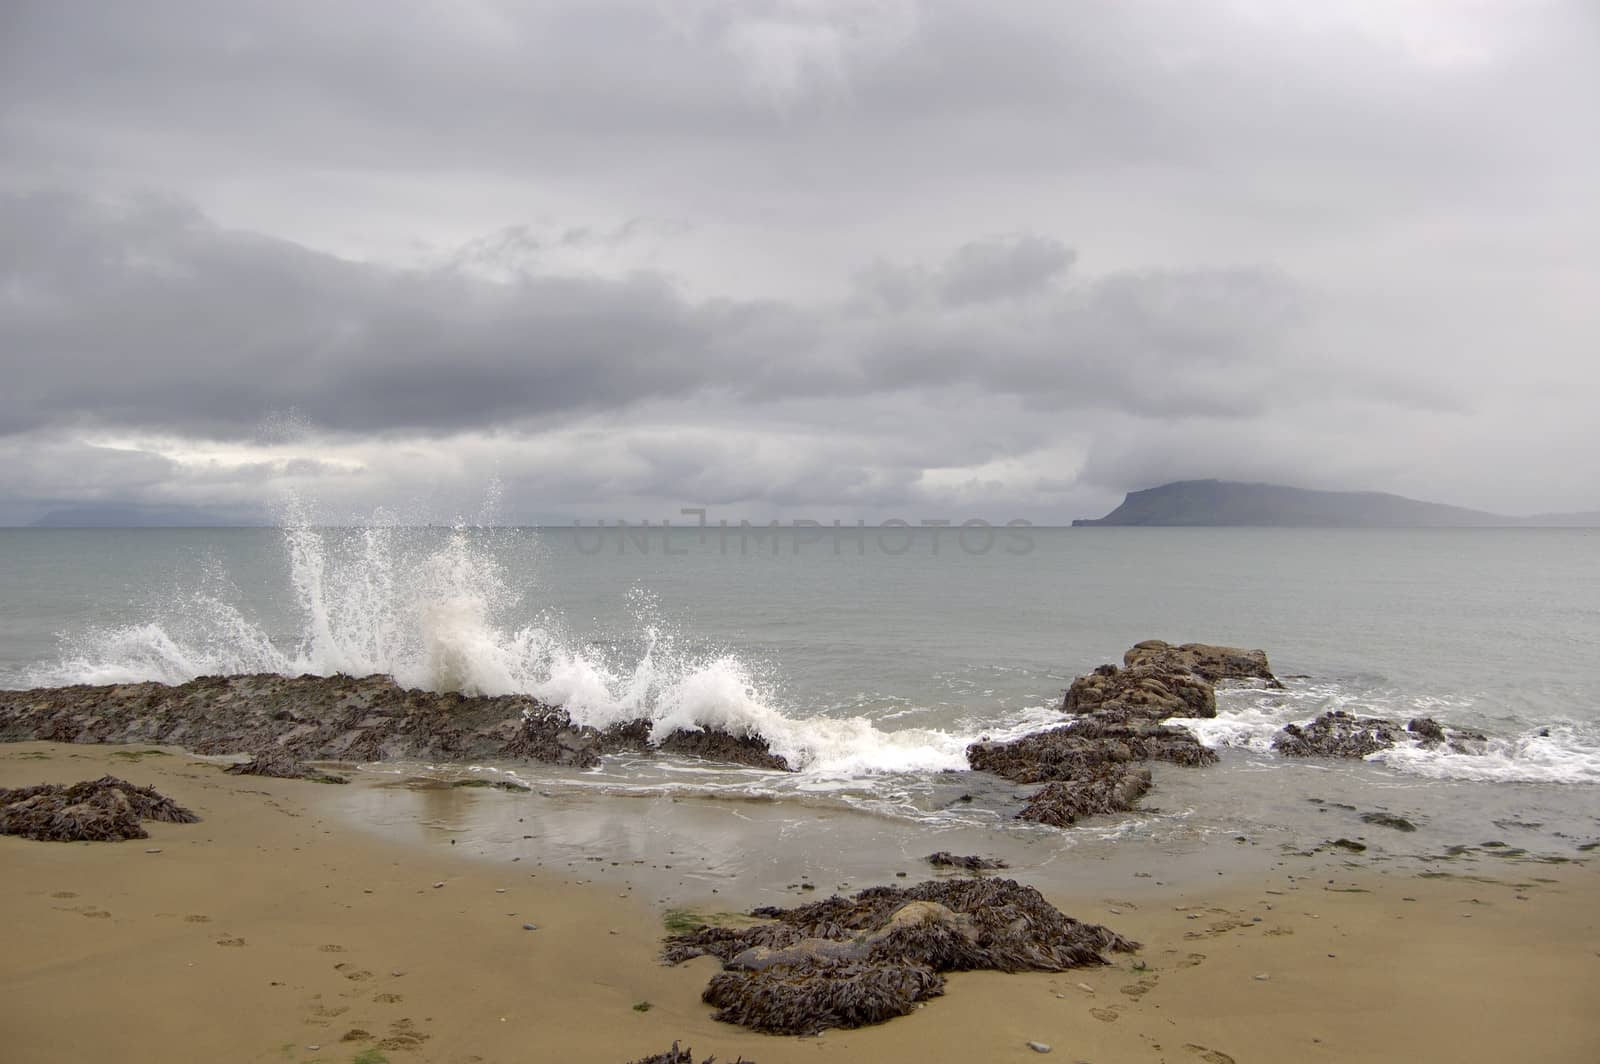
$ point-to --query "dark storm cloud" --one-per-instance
(144, 315)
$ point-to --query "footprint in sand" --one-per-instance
(387, 999)
(1142, 987)
(358, 976)
(96, 914)
(230, 941)
(1192, 960)
(63, 894)
(196, 918)
(1104, 1015)
(1210, 1056)
(330, 948)
(403, 1035)
(323, 1012)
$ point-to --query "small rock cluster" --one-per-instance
(970, 863)
(849, 962)
(104, 810)
(1340, 734)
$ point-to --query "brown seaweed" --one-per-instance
(104, 810)
(847, 962)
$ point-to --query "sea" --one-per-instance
(870, 656)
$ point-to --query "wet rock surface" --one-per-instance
(1340, 734)
(1073, 750)
(1206, 660)
(1144, 691)
(104, 810)
(971, 863)
(849, 962)
(1109, 789)
(339, 718)
(1337, 734)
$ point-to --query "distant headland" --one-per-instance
(1223, 503)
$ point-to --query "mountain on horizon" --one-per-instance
(1219, 503)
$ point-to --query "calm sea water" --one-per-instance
(872, 661)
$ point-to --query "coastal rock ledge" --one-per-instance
(283, 720)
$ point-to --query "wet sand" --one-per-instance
(275, 926)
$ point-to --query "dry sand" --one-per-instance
(271, 928)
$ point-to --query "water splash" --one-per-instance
(437, 610)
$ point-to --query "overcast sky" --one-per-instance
(795, 258)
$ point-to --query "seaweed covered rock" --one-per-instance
(1205, 660)
(715, 745)
(338, 718)
(971, 863)
(1109, 789)
(104, 810)
(676, 1055)
(1074, 751)
(1337, 734)
(279, 765)
(1144, 691)
(848, 962)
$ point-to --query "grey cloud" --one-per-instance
(148, 316)
(1349, 245)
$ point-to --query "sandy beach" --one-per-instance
(272, 931)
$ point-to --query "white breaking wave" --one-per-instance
(1562, 752)
(438, 614)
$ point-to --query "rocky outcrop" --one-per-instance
(1207, 661)
(849, 962)
(1109, 789)
(1117, 722)
(338, 718)
(713, 745)
(104, 810)
(1143, 692)
(1428, 731)
(1337, 734)
(1074, 750)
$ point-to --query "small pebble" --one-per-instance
(436, 886)
(499, 890)
(1086, 988)
(1262, 977)
(1114, 912)
(1039, 1047)
(152, 851)
(530, 927)
(313, 1048)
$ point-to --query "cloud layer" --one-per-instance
(794, 257)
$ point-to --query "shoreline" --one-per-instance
(1485, 964)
